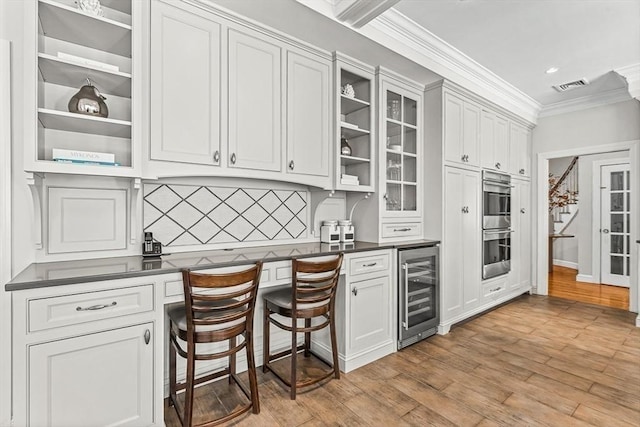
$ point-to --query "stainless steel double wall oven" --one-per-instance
(496, 224)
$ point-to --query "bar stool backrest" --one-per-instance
(314, 286)
(220, 306)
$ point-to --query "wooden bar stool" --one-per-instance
(217, 308)
(312, 295)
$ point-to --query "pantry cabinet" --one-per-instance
(461, 130)
(520, 275)
(185, 81)
(519, 151)
(461, 244)
(494, 142)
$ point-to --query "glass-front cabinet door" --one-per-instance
(401, 154)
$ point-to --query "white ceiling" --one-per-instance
(519, 39)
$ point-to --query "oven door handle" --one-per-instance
(492, 235)
(405, 322)
(498, 183)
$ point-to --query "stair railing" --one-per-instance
(563, 191)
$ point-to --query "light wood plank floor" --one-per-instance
(563, 284)
(534, 361)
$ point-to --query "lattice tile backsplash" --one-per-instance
(179, 215)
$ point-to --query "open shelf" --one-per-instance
(67, 73)
(350, 105)
(73, 122)
(350, 132)
(79, 169)
(66, 23)
(351, 160)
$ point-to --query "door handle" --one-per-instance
(605, 231)
(147, 336)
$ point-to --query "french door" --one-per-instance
(615, 216)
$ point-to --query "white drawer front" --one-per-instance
(494, 289)
(48, 313)
(403, 229)
(369, 264)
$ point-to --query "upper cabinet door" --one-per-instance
(471, 134)
(255, 102)
(520, 158)
(185, 86)
(494, 142)
(453, 142)
(308, 106)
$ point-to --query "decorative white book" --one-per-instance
(90, 156)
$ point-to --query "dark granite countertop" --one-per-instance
(39, 275)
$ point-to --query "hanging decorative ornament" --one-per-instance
(92, 7)
(89, 101)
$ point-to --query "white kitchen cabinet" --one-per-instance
(308, 115)
(255, 101)
(461, 260)
(519, 151)
(185, 85)
(461, 130)
(520, 275)
(85, 355)
(365, 311)
(103, 378)
(494, 141)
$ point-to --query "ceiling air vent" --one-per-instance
(571, 85)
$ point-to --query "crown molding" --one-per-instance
(631, 73)
(399, 33)
(584, 102)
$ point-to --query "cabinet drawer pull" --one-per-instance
(354, 291)
(96, 307)
(402, 229)
(216, 156)
(233, 158)
(147, 336)
(370, 265)
(495, 289)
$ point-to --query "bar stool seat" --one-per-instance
(311, 296)
(218, 308)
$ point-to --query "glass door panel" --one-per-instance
(615, 227)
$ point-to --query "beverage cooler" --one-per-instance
(418, 294)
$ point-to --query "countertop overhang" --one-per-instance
(40, 275)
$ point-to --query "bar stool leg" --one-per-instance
(294, 356)
(188, 396)
(172, 372)
(307, 338)
(253, 381)
(334, 345)
(265, 337)
(232, 360)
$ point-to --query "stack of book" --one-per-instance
(84, 157)
(349, 179)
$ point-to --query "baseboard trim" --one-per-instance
(586, 278)
(563, 263)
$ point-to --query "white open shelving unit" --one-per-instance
(71, 46)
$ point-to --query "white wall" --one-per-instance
(595, 130)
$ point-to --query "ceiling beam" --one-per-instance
(357, 13)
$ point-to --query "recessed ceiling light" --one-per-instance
(552, 70)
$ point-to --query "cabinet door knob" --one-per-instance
(605, 231)
(465, 209)
(498, 165)
(291, 165)
(385, 196)
(354, 291)
(521, 171)
(233, 158)
(216, 156)
(147, 336)
(522, 210)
